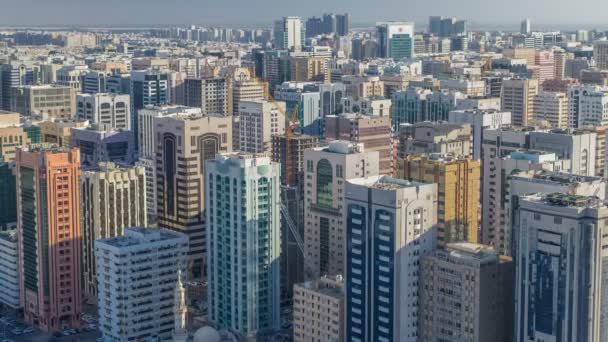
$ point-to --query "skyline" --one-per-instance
(241, 13)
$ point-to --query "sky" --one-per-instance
(248, 13)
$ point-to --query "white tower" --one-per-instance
(180, 334)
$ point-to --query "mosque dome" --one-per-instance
(207, 334)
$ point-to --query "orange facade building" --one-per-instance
(49, 236)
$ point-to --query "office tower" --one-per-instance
(327, 170)
(11, 138)
(137, 275)
(119, 84)
(416, 105)
(148, 87)
(69, 76)
(466, 294)
(318, 310)
(480, 121)
(59, 132)
(518, 98)
(94, 81)
(248, 89)
(44, 101)
(552, 108)
(243, 199)
(292, 170)
(289, 34)
(8, 200)
(329, 23)
(588, 106)
(374, 132)
(395, 39)
(147, 146)
(113, 198)
(276, 67)
(178, 167)
(342, 24)
(458, 192)
(305, 69)
(49, 237)
(307, 99)
(559, 268)
(314, 27)
(525, 27)
(331, 98)
(98, 144)
(459, 43)
(112, 110)
(459, 28)
(544, 61)
(390, 226)
(213, 95)
(435, 137)
(577, 145)
(13, 75)
(260, 120)
(434, 25)
(600, 54)
(9, 269)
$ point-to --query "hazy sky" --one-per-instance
(590, 13)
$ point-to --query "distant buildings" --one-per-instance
(44, 101)
(435, 137)
(289, 34)
(600, 54)
(243, 243)
(390, 227)
(137, 275)
(395, 39)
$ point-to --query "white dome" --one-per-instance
(207, 334)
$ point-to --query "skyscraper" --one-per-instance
(395, 39)
(466, 294)
(49, 237)
(560, 268)
(243, 246)
(518, 98)
(183, 144)
(390, 226)
(113, 198)
(326, 173)
(289, 34)
(525, 26)
(137, 276)
(259, 121)
(600, 54)
(148, 87)
(213, 94)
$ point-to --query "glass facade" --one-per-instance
(324, 184)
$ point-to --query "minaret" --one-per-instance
(180, 334)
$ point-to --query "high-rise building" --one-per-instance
(94, 81)
(374, 132)
(178, 167)
(213, 95)
(466, 294)
(342, 24)
(11, 138)
(8, 200)
(137, 275)
(243, 201)
(390, 227)
(600, 54)
(13, 75)
(416, 105)
(518, 98)
(525, 27)
(457, 193)
(395, 39)
(44, 101)
(112, 110)
(560, 261)
(306, 68)
(59, 132)
(48, 223)
(148, 87)
(289, 34)
(9, 269)
(247, 89)
(552, 108)
(307, 99)
(259, 121)
(327, 170)
(98, 144)
(292, 170)
(435, 137)
(480, 121)
(434, 25)
(544, 61)
(575, 144)
(113, 198)
(318, 310)
(588, 106)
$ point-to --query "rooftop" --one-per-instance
(385, 183)
(567, 200)
(142, 235)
